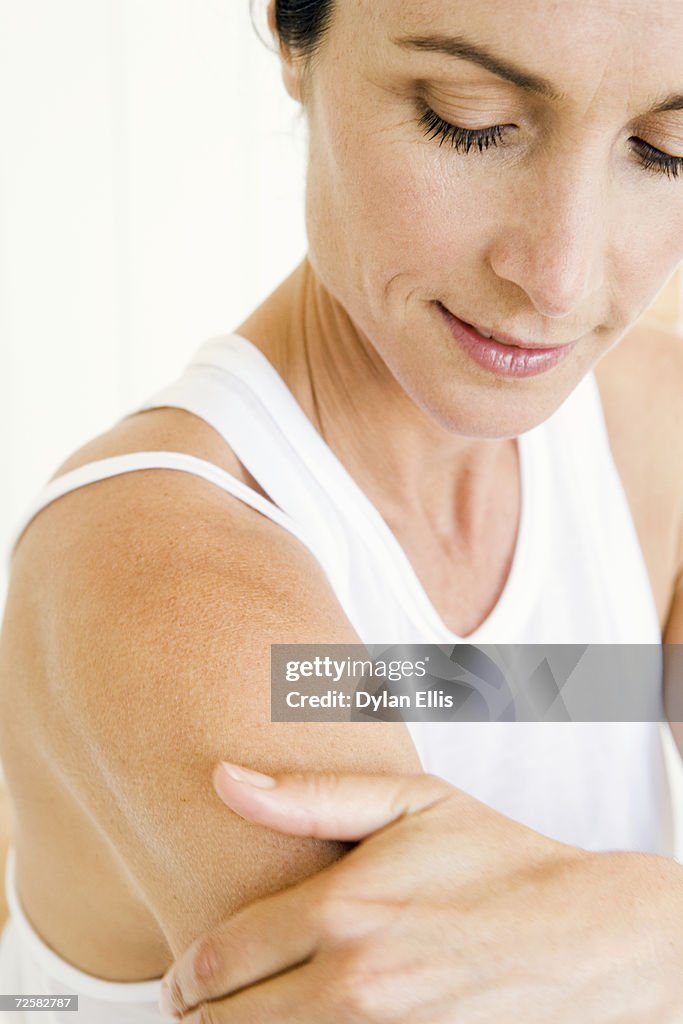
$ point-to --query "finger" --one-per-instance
(255, 943)
(327, 805)
(292, 998)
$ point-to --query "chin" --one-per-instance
(472, 403)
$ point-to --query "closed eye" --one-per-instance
(466, 139)
(461, 139)
(653, 159)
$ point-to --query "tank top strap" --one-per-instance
(233, 386)
(116, 465)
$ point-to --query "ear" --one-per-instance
(292, 68)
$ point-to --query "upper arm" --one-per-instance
(673, 630)
(161, 649)
(641, 380)
(673, 659)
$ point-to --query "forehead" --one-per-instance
(627, 49)
(566, 15)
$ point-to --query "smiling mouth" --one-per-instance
(500, 357)
(507, 339)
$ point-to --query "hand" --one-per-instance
(447, 912)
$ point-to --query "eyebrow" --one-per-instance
(464, 49)
(673, 102)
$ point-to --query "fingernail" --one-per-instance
(166, 1004)
(248, 776)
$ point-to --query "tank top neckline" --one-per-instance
(278, 403)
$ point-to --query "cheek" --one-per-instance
(662, 250)
(400, 208)
(646, 249)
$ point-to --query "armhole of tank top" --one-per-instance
(117, 465)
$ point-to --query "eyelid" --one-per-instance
(460, 138)
(663, 126)
(660, 140)
(655, 159)
(657, 137)
(464, 139)
(488, 120)
(657, 148)
(461, 113)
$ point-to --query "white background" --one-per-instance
(152, 174)
(152, 171)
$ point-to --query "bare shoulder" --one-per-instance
(643, 374)
(159, 429)
(641, 386)
(170, 553)
(164, 497)
(164, 597)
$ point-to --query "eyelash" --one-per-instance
(465, 139)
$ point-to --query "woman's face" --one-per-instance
(562, 224)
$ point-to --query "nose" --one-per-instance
(553, 246)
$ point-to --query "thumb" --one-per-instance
(326, 805)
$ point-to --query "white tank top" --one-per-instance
(578, 576)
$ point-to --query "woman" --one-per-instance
(445, 425)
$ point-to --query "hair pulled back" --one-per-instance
(301, 24)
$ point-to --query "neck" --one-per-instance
(415, 471)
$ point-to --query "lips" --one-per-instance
(507, 339)
(501, 358)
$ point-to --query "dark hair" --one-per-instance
(301, 24)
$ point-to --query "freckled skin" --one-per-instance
(558, 233)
